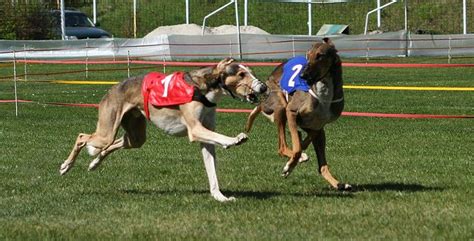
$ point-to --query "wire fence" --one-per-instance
(117, 16)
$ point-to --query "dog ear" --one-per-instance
(224, 63)
(328, 41)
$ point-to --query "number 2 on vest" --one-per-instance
(297, 69)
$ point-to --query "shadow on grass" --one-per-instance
(249, 194)
(394, 186)
(259, 195)
(263, 195)
(318, 193)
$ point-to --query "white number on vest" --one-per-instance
(297, 69)
(166, 83)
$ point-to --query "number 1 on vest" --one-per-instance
(166, 83)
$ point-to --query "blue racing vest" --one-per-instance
(291, 80)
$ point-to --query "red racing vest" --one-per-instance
(165, 90)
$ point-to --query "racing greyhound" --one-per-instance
(313, 98)
(129, 104)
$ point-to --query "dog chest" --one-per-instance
(314, 114)
(169, 120)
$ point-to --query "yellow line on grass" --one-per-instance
(80, 82)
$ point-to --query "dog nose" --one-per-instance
(259, 86)
(263, 88)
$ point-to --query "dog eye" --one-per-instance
(242, 74)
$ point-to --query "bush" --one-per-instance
(26, 21)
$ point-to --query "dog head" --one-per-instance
(239, 80)
(322, 60)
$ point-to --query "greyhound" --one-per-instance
(128, 104)
(319, 101)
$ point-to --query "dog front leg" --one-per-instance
(209, 157)
(203, 135)
(295, 141)
(319, 144)
(251, 118)
(280, 121)
(197, 132)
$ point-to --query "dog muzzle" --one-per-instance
(258, 86)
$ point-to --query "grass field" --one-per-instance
(413, 178)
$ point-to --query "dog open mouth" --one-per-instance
(252, 98)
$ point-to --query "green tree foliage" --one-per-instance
(26, 21)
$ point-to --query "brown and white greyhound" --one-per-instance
(124, 106)
(310, 111)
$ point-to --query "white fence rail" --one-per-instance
(251, 47)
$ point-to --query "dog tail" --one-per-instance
(252, 117)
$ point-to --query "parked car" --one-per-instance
(78, 25)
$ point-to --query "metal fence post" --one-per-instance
(367, 50)
(87, 60)
(63, 21)
(134, 18)
(164, 64)
(14, 81)
(310, 20)
(128, 63)
(449, 50)
(24, 58)
(187, 11)
(293, 45)
(406, 15)
(239, 42)
(379, 15)
(246, 9)
(94, 10)
(464, 16)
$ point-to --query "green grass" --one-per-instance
(413, 177)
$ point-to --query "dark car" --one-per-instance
(79, 26)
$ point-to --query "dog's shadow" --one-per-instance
(258, 195)
(323, 192)
(394, 186)
(244, 194)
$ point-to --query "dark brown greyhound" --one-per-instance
(310, 111)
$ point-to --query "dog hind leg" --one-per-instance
(110, 114)
(319, 144)
(134, 137)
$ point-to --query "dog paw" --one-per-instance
(303, 158)
(94, 164)
(241, 138)
(65, 167)
(344, 187)
(286, 171)
(221, 198)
